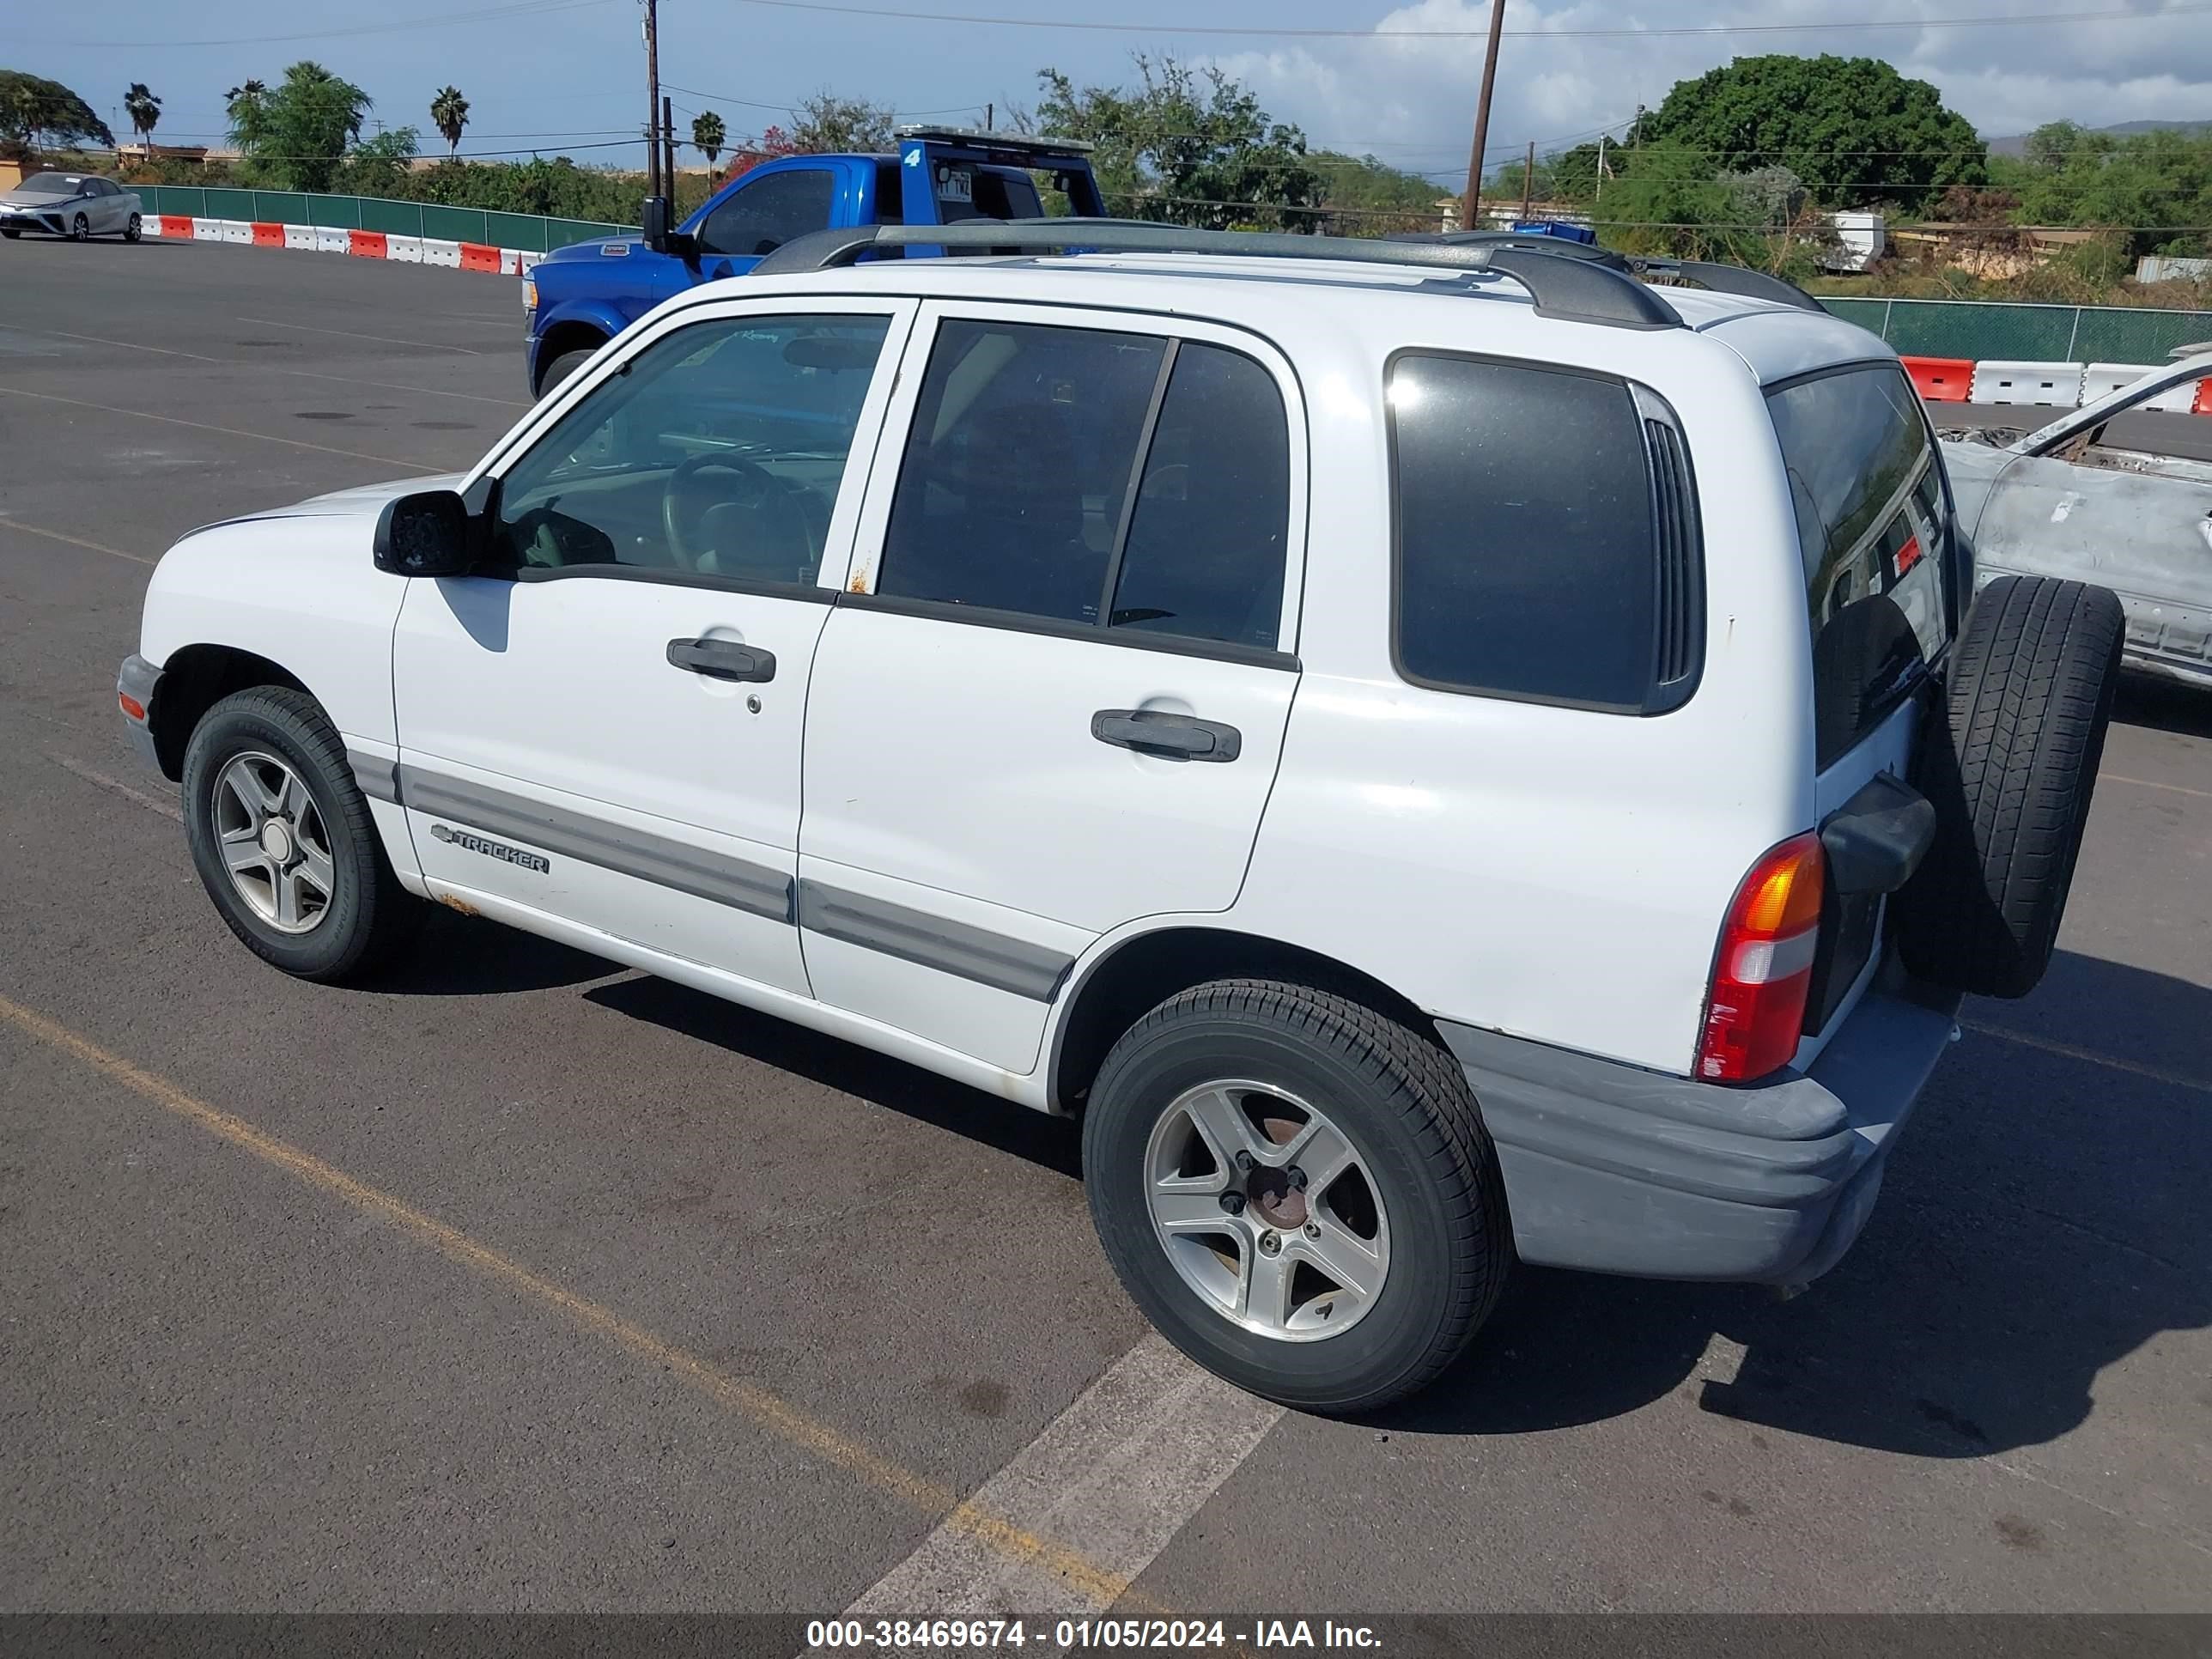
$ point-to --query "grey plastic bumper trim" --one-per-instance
(1615, 1169)
(742, 885)
(378, 778)
(138, 680)
(953, 947)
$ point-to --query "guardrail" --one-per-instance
(531, 233)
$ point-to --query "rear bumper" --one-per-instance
(1614, 1169)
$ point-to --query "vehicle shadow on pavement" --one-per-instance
(2042, 1219)
(1049, 1142)
(458, 956)
(2162, 706)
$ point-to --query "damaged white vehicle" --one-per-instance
(2064, 501)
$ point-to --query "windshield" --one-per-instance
(52, 184)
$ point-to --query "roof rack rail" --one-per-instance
(1730, 279)
(1534, 241)
(1568, 289)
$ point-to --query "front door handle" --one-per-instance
(722, 659)
(1171, 737)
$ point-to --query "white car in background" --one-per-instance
(77, 205)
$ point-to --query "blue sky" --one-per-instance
(562, 75)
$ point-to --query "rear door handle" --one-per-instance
(722, 659)
(1171, 737)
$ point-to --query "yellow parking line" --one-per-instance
(2172, 1080)
(74, 541)
(2147, 783)
(203, 426)
(758, 1405)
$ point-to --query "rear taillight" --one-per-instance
(1756, 1007)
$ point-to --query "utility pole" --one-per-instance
(1528, 181)
(989, 110)
(1469, 218)
(668, 150)
(653, 186)
(1600, 166)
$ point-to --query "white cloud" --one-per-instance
(1411, 99)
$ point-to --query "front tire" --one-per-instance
(79, 229)
(561, 368)
(282, 840)
(134, 230)
(1338, 1288)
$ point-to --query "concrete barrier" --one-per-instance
(1941, 379)
(2048, 386)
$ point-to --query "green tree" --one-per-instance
(2154, 189)
(1366, 195)
(1189, 147)
(144, 110)
(449, 114)
(1853, 128)
(708, 136)
(295, 136)
(33, 109)
(378, 165)
(826, 124)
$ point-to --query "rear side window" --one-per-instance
(1090, 477)
(1540, 554)
(1872, 529)
(768, 211)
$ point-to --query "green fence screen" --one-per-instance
(1979, 330)
(1972, 329)
(530, 231)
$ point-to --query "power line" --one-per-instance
(975, 19)
(399, 26)
(789, 109)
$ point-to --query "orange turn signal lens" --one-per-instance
(132, 706)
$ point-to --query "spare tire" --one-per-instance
(2011, 772)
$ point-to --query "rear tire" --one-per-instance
(1433, 1210)
(2012, 772)
(561, 368)
(349, 911)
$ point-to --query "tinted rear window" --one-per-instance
(1530, 542)
(1871, 528)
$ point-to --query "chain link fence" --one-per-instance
(1920, 328)
(1981, 331)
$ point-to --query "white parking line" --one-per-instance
(1114, 1477)
(346, 333)
(115, 786)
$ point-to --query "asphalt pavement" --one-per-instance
(518, 1281)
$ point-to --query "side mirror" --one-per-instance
(429, 533)
(656, 223)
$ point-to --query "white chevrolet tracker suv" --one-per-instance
(1442, 755)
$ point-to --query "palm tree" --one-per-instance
(144, 110)
(449, 114)
(708, 136)
(239, 100)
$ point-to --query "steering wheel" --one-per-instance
(675, 511)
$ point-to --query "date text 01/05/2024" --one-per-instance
(836, 1635)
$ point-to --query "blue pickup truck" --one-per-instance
(579, 298)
